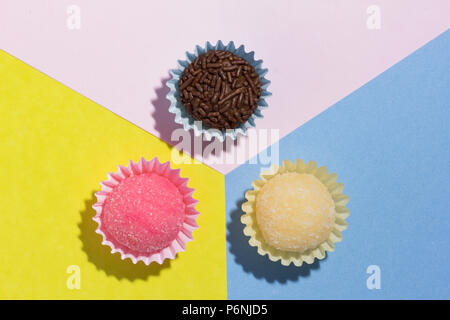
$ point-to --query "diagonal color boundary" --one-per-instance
(388, 143)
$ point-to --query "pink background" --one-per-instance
(317, 52)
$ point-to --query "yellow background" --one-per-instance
(56, 146)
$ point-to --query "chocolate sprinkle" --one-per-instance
(220, 89)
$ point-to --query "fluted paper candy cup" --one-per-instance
(287, 257)
(115, 184)
(184, 118)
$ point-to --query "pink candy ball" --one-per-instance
(144, 212)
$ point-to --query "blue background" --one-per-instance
(389, 144)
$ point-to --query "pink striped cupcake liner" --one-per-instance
(189, 222)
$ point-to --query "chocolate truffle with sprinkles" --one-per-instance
(220, 89)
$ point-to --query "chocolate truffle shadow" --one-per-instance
(165, 121)
(165, 124)
(101, 256)
(260, 266)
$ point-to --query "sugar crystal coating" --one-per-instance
(144, 212)
(295, 212)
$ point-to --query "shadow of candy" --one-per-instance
(164, 120)
(260, 266)
(101, 256)
(165, 125)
